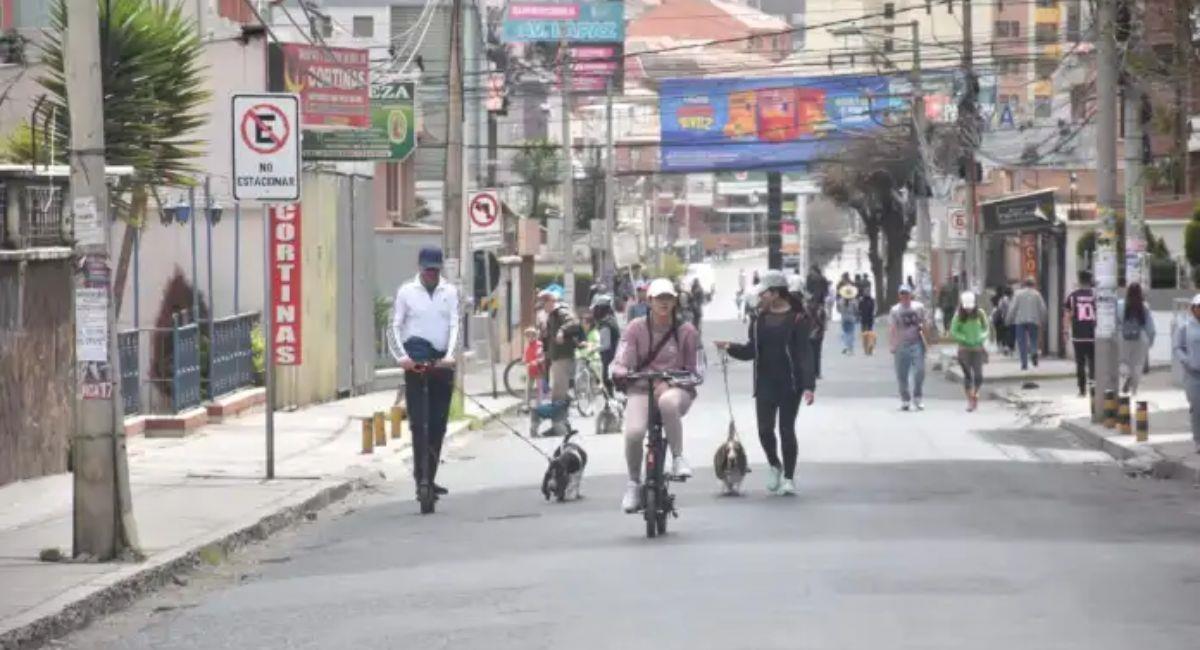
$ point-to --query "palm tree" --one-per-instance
(154, 100)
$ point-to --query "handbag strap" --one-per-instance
(662, 343)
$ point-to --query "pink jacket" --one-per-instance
(682, 352)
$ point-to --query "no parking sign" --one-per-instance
(266, 147)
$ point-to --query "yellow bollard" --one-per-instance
(380, 431)
(368, 436)
(397, 420)
(1123, 416)
(1110, 409)
(1143, 421)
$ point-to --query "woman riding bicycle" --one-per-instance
(659, 342)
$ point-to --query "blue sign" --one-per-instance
(769, 124)
(546, 22)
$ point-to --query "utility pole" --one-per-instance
(1135, 194)
(568, 181)
(610, 190)
(1105, 264)
(103, 525)
(969, 128)
(774, 217)
(924, 227)
(453, 214)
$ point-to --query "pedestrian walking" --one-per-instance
(1026, 313)
(1137, 336)
(423, 338)
(908, 338)
(815, 284)
(609, 332)
(639, 308)
(847, 306)
(866, 319)
(948, 298)
(969, 329)
(1185, 347)
(1080, 315)
(778, 344)
(818, 317)
(560, 337)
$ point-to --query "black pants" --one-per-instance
(1085, 363)
(816, 350)
(427, 443)
(787, 406)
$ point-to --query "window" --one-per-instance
(1008, 29)
(1046, 33)
(1074, 19)
(889, 11)
(393, 189)
(1043, 106)
(889, 45)
(1010, 67)
(1002, 29)
(1045, 67)
(1049, 4)
(1079, 102)
(364, 26)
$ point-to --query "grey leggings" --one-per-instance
(673, 404)
(971, 361)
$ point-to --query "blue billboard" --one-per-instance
(769, 123)
(577, 22)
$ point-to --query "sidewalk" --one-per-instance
(203, 492)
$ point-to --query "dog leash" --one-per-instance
(510, 427)
(728, 400)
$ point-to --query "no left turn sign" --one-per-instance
(485, 209)
(266, 147)
(484, 212)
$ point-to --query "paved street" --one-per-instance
(940, 529)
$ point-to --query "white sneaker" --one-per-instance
(918, 405)
(787, 489)
(680, 468)
(632, 500)
(774, 476)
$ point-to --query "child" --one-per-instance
(533, 365)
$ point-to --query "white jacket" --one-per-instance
(432, 317)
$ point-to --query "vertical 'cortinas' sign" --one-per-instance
(285, 284)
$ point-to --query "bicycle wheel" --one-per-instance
(516, 380)
(585, 390)
(427, 497)
(650, 509)
(660, 516)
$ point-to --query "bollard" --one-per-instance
(368, 436)
(380, 431)
(1123, 416)
(397, 420)
(1143, 421)
(1110, 409)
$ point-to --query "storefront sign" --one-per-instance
(1029, 257)
(332, 82)
(391, 136)
(1034, 211)
(576, 22)
(285, 285)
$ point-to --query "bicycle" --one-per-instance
(657, 501)
(587, 386)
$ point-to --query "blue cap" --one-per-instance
(430, 257)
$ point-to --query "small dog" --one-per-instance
(730, 463)
(565, 473)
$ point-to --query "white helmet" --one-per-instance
(661, 287)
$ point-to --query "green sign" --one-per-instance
(392, 135)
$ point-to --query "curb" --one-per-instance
(1135, 459)
(155, 573)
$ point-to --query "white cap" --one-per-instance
(1196, 300)
(774, 279)
(967, 299)
(661, 287)
(905, 288)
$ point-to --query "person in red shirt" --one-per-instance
(533, 364)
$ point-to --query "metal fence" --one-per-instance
(185, 371)
(231, 361)
(127, 349)
(41, 217)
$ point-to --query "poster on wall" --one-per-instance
(768, 123)
(391, 135)
(285, 284)
(332, 82)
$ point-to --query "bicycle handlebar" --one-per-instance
(674, 376)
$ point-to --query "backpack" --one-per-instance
(1131, 329)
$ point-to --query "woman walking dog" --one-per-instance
(780, 348)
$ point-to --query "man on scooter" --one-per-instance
(424, 338)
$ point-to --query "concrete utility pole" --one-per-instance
(103, 507)
(568, 181)
(976, 271)
(452, 222)
(610, 190)
(1105, 264)
(924, 227)
(774, 219)
(1135, 195)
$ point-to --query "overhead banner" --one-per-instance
(285, 284)
(770, 123)
(332, 82)
(391, 136)
(577, 22)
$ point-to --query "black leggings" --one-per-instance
(787, 406)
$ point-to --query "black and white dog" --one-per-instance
(565, 473)
(730, 462)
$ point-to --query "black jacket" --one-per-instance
(561, 319)
(798, 350)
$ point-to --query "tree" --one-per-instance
(589, 197)
(537, 164)
(154, 100)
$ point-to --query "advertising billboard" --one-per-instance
(391, 136)
(768, 123)
(594, 65)
(577, 22)
(332, 83)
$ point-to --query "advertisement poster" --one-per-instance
(332, 83)
(285, 284)
(577, 22)
(391, 136)
(780, 123)
(593, 67)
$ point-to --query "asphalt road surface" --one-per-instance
(939, 529)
